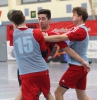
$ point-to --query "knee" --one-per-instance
(57, 93)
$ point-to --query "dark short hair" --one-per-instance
(47, 12)
(17, 17)
(81, 11)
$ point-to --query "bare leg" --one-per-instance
(81, 95)
(49, 97)
(59, 92)
(19, 96)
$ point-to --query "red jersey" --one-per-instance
(76, 34)
(50, 45)
(37, 35)
(11, 37)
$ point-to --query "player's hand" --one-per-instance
(86, 66)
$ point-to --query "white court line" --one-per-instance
(91, 84)
(42, 94)
(58, 82)
(86, 90)
(72, 91)
(8, 99)
(51, 82)
(7, 79)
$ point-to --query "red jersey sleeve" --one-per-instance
(78, 35)
(61, 44)
(11, 37)
(40, 39)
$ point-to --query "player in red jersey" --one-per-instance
(44, 17)
(76, 75)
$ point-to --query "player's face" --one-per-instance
(43, 21)
(76, 18)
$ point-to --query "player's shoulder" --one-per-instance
(11, 32)
(82, 29)
(37, 32)
(78, 28)
(52, 32)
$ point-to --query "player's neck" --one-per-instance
(45, 28)
(80, 23)
(22, 25)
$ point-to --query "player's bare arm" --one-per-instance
(74, 55)
(56, 38)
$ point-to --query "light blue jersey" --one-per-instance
(27, 52)
(80, 47)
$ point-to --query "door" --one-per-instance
(3, 43)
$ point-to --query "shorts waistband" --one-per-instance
(46, 72)
(75, 65)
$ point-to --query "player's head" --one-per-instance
(17, 17)
(79, 13)
(44, 17)
(47, 12)
(10, 13)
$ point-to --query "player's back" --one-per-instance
(27, 52)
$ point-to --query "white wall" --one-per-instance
(57, 7)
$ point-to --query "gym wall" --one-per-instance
(61, 11)
(59, 8)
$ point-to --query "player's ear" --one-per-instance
(81, 17)
(50, 19)
(13, 23)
